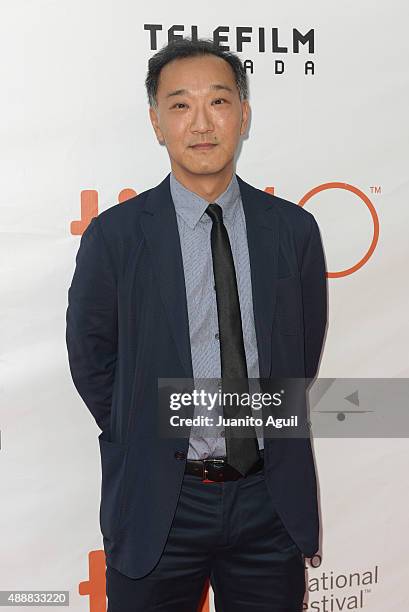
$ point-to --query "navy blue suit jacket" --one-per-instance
(127, 326)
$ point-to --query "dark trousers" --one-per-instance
(227, 532)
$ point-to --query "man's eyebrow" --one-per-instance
(214, 86)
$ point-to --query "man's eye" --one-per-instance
(182, 104)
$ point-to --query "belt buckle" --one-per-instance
(205, 479)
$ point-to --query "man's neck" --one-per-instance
(207, 186)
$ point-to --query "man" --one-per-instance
(202, 276)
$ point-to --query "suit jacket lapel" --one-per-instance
(160, 228)
(263, 238)
(161, 231)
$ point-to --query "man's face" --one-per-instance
(198, 102)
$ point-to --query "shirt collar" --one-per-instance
(191, 207)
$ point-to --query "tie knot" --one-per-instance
(215, 212)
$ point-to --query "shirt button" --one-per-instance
(205, 455)
(222, 433)
(217, 336)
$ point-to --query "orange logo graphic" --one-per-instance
(371, 209)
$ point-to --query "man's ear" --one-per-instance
(245, 108)
(155, 123)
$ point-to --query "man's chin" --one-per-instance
(203, 169)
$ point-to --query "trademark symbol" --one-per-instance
(376, 189)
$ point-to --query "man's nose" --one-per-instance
(201, 120)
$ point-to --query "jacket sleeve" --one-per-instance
(91, 324)
(314, 296)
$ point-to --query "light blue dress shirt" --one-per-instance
(194, 226)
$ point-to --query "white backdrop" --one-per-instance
(75, 128)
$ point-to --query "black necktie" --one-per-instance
(241, 442)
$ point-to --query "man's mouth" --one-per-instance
(205, 146)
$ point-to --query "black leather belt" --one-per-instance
(216, 469)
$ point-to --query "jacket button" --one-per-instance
(180, 455)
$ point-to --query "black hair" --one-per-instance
(186, 47)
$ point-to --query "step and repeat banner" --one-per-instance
(329, 87)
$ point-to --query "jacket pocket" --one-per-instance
(113, 462)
